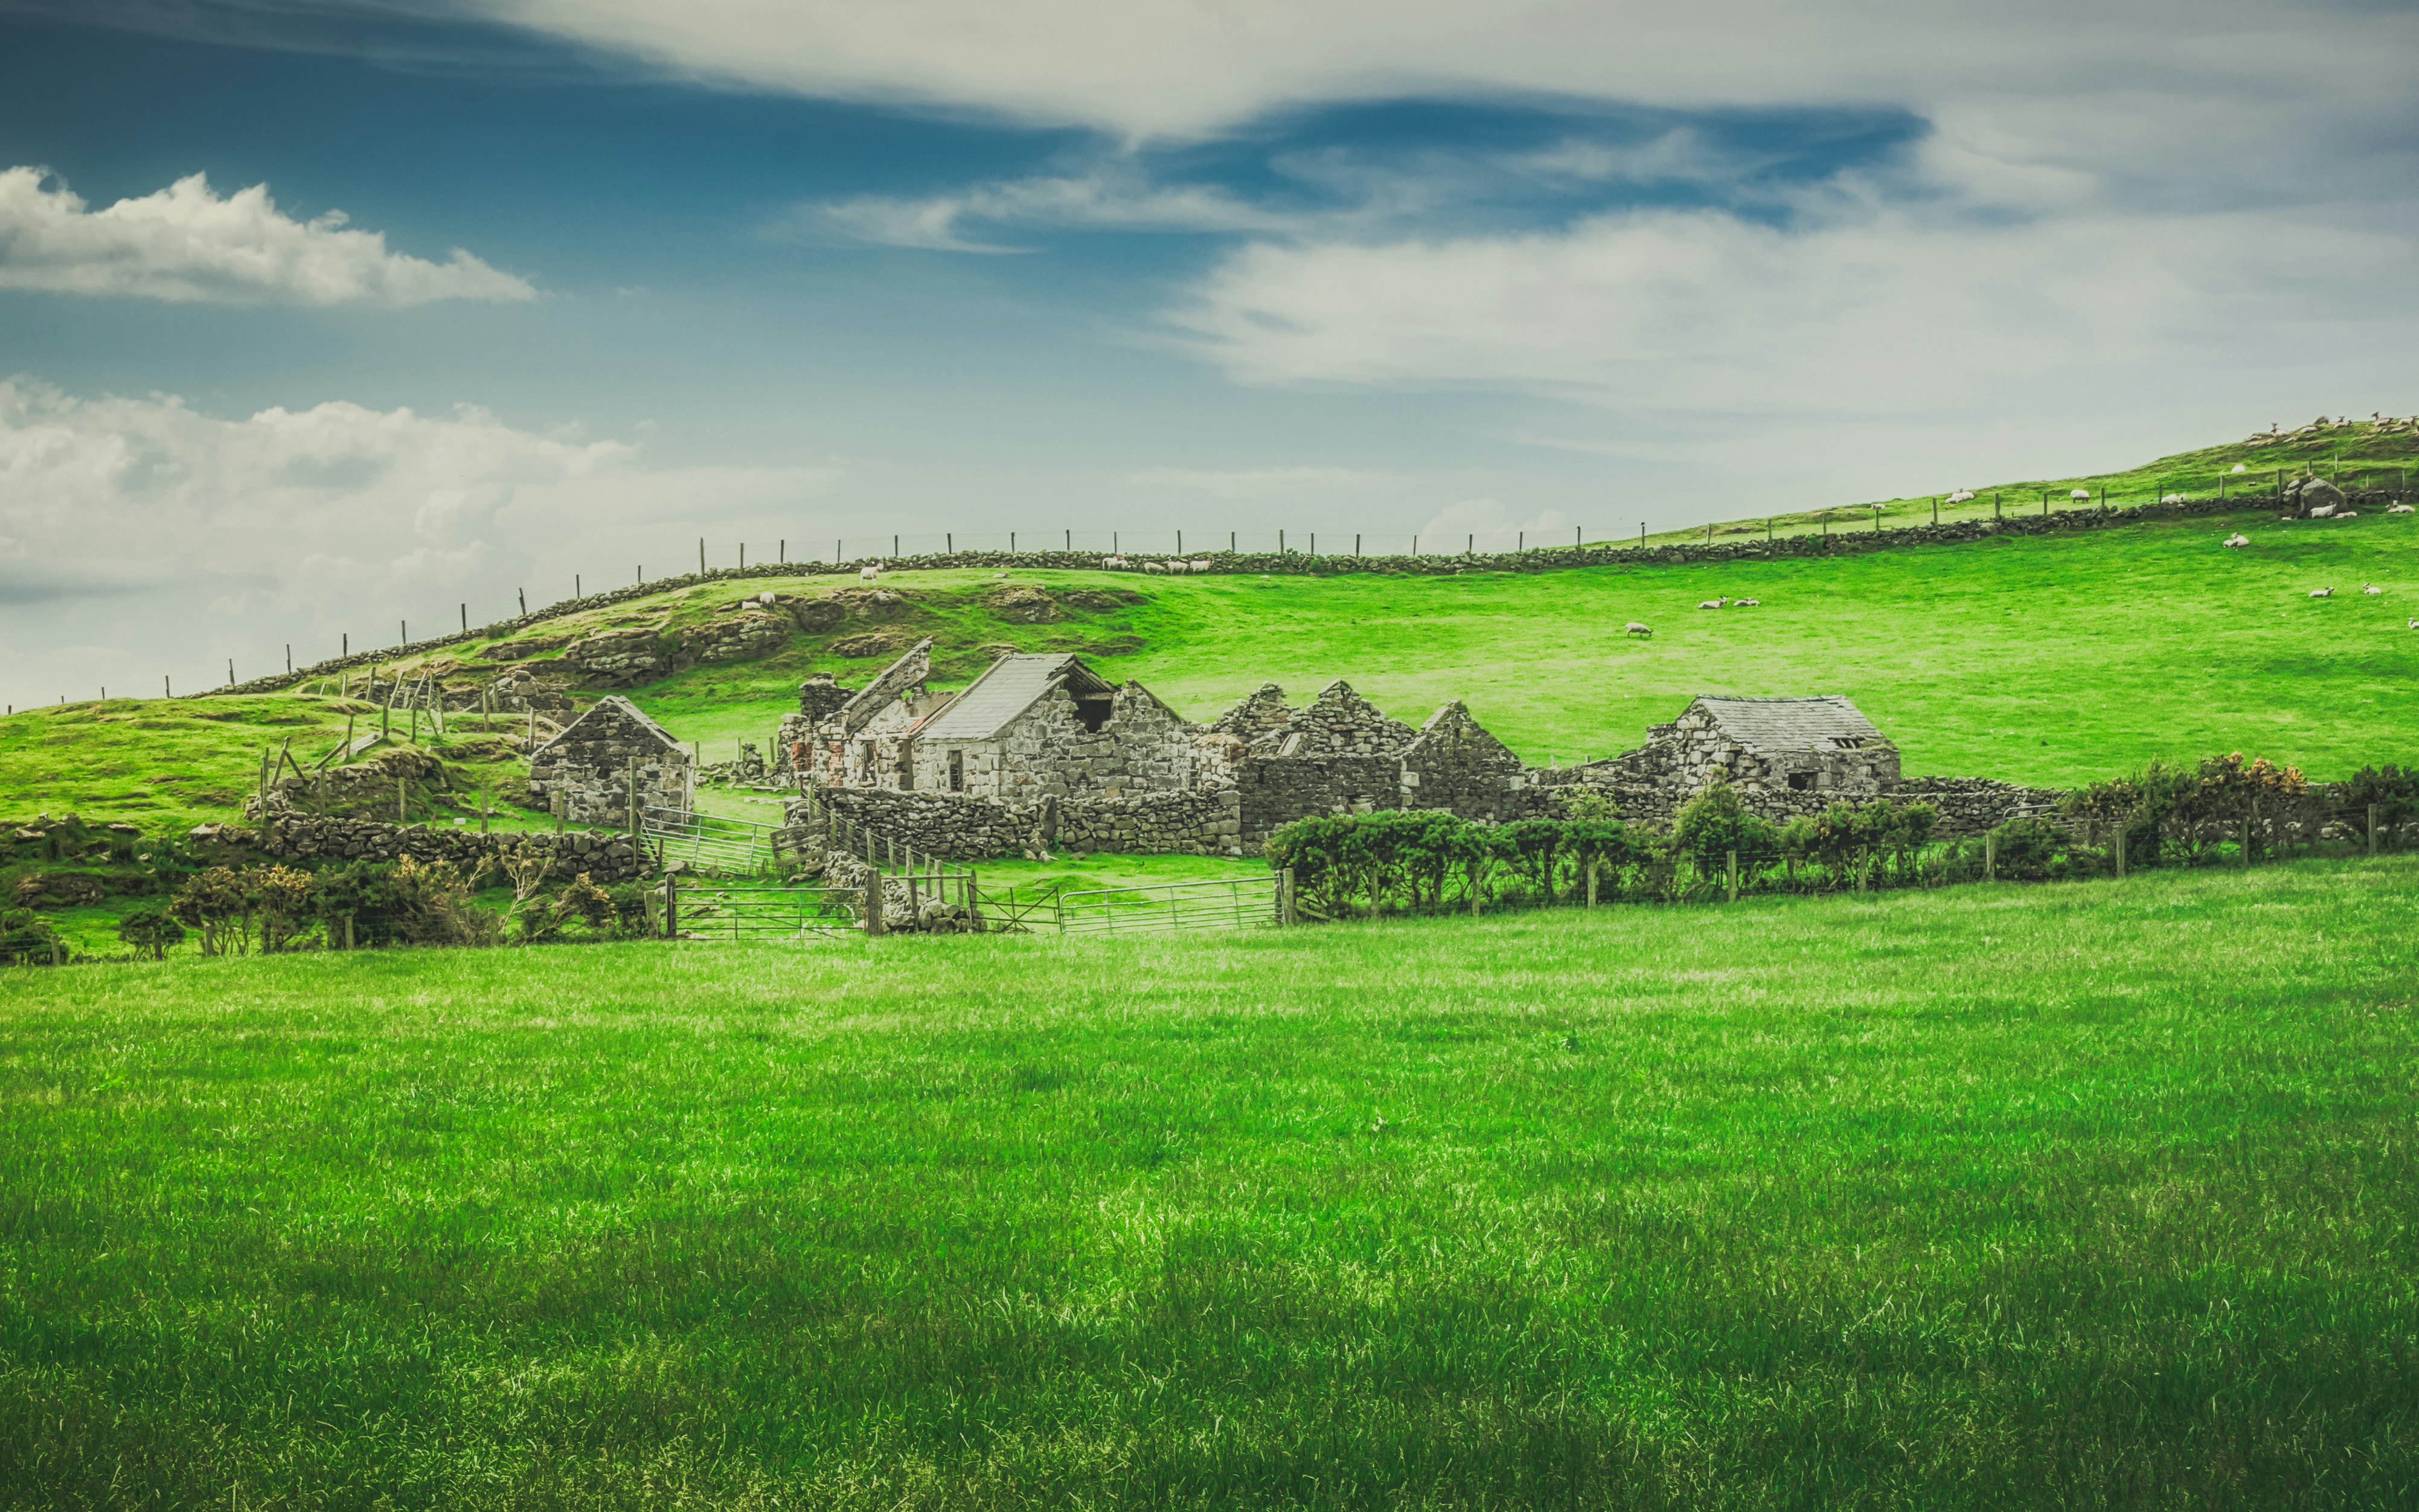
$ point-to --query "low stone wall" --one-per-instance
(960, 827)
(1966, 805)
(1974, 805)
(607, 857)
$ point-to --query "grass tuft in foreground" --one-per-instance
(2088, 1194)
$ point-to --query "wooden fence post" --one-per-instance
(1285, 897)
(1990, 856)
(1592, 865)
(671, 907)
(1734, 877)
(2372, 830)
(2120, 849)
(873, 901)
(634, 797)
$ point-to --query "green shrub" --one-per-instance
(27, 939)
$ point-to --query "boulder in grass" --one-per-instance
(2313, 498)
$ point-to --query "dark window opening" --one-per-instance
(865, 760)
(1801, 782)
(957, 771)
(1093, 712)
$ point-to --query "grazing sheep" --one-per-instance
(2080, 493)
(1114, 563)
(1154, 566)
(2323, 512)
(1636, 628)
(2323, 593)
(2238, 538)
(1713, 603)
(2398, 509)
(1747, 603)
(1200, 564)
(1963, 496)
(2370, 588)
(868, 574)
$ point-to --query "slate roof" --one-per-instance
(615, 707)
(1818, 723)
(1012, 684)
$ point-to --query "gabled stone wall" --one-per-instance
(591, 766)
(1456, 764)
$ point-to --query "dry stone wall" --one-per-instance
(962, 827)
(605, 857)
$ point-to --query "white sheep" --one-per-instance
(2415, 624)
(1747, 603)
(2080, 493)
(1114, 563)
(1637, 627)
(1963, 496)
(2370, 588)
(868, 574)
(1713, 603)
(1200, 564)
(1154, 566)
(2238, 538)
(2323, 593)
(2398, 509)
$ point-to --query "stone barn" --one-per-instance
(1818, 744)
(1044, 724)
(591, 766)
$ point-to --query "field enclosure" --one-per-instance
(2078, 1195)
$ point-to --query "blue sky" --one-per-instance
(800, 271)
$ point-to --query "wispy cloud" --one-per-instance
(187, 244)
(1110, 199)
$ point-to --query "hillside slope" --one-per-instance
(2045, 659)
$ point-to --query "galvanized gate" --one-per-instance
(709, 842)
(1223, 903)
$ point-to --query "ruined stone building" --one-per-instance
(592, 765)
(1816, 745)
(1343, 755)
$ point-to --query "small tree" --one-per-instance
(150, 928)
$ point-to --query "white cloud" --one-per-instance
(1689, 327)
(1178, 67)
(1261, 483)
(193, 538)
(186, 243)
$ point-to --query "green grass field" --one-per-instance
(2093, 1194)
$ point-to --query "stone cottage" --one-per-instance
(593, 763)
(1044, 724)
(1820, 744)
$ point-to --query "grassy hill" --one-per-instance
(2050, 659)
(2099, 1194)
(2361, 454)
